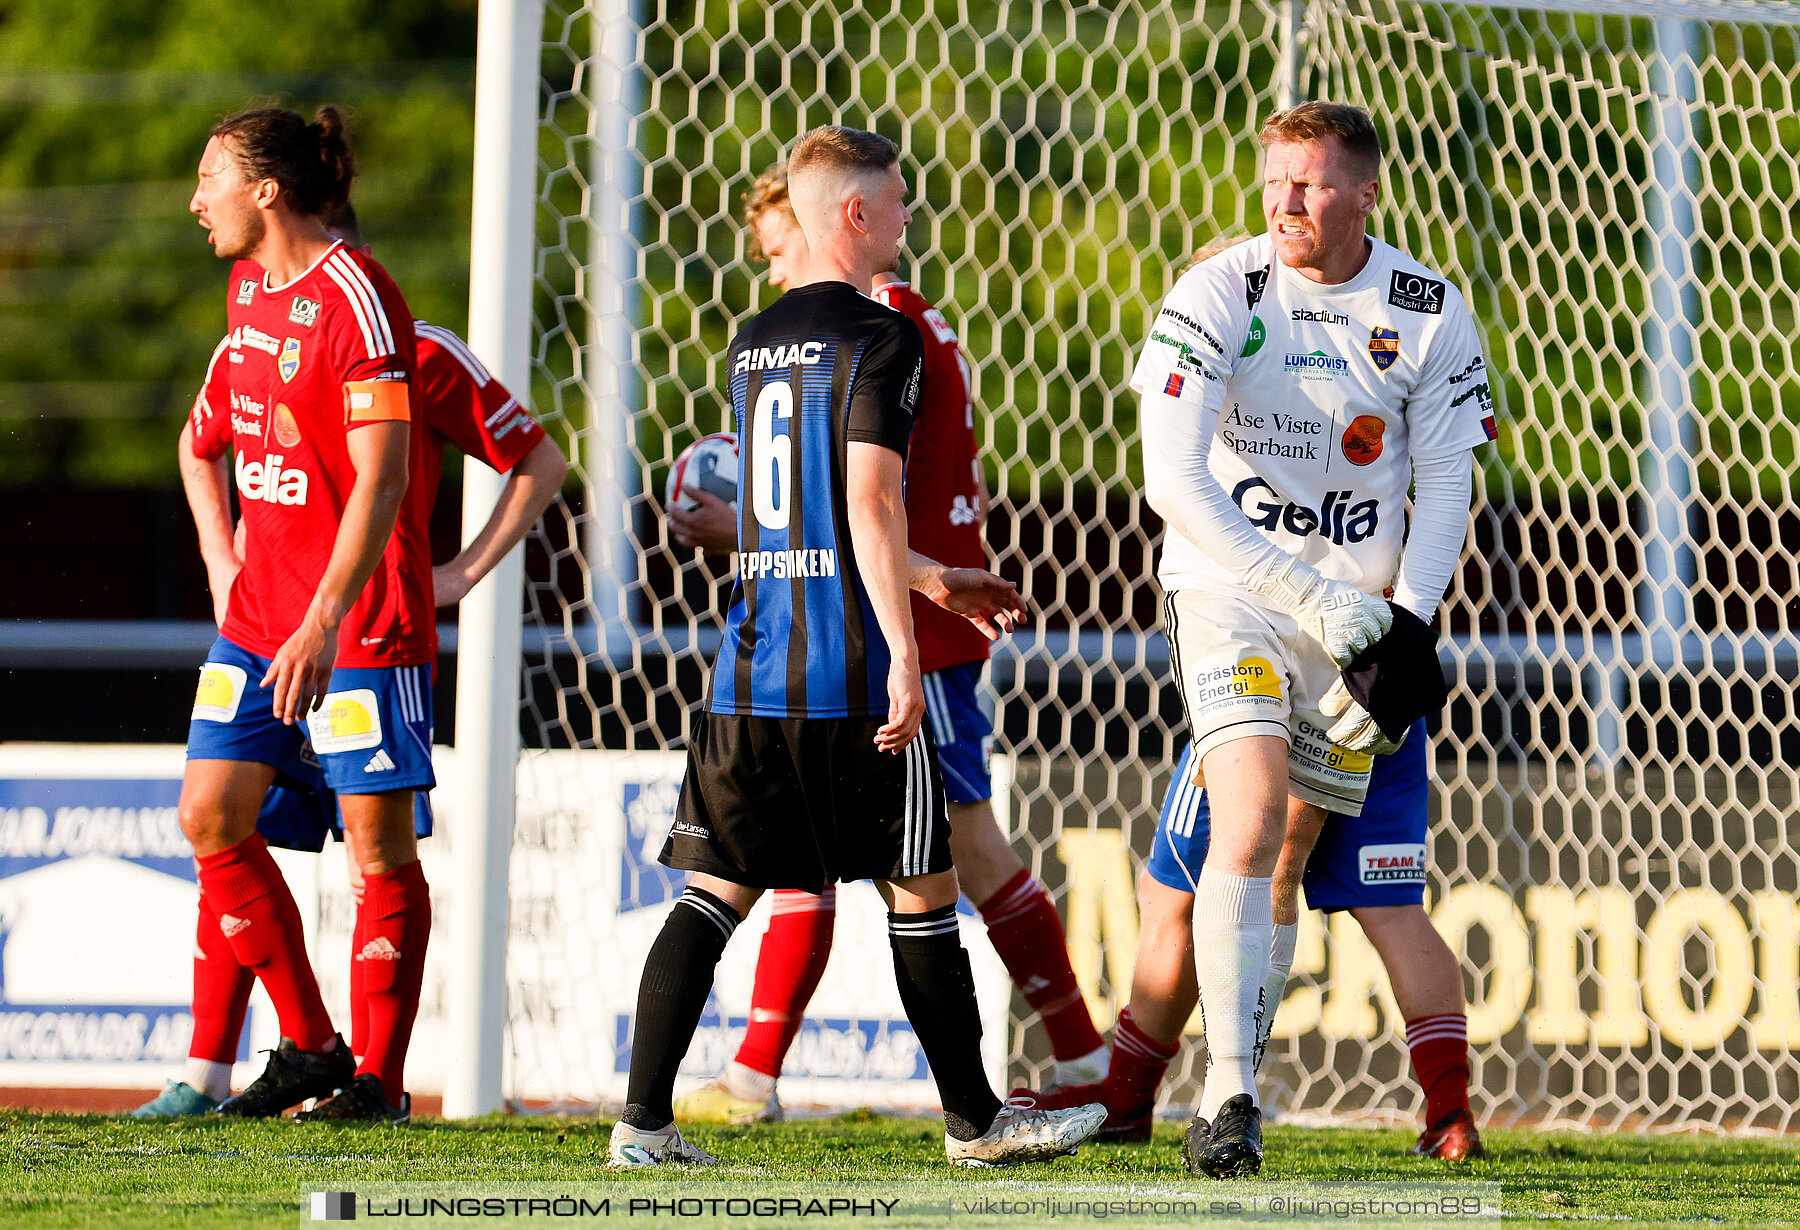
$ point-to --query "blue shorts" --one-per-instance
(372, 734)
(1375, 859)
(960, 709)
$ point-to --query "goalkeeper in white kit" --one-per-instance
(1292, 388)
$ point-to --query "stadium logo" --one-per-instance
(347, 722)
(304, 311)
(1318, 316)
(287, 431)
(1255, 282)
(1315, 366)
(290, 358)
(1336, 519)
(1362, 442)
(256, 339)
(1253, 340)
(1384, 347)
(268, 482)
(1415, 293)
(221, 688)
(246, 292)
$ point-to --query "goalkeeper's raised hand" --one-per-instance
(1335, 613)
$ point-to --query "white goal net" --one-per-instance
(1613, 849)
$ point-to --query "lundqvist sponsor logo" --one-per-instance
(1318, 363)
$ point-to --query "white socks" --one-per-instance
(1281, 963)
(208, 1077)
(1234, 932)
(747, 1083)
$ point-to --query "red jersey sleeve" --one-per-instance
(211, 415)
(467, 406)
(371, 346)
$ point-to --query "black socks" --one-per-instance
(678, 976)
(938, 990)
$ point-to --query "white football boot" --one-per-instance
(631, 1149)
(1022, 1133)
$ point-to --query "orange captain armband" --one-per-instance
(377, 401)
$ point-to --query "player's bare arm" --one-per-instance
(989, 601)
(530, 487)
(301, 670)
(207, 486)
(877, 513)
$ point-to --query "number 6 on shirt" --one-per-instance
(770, 492)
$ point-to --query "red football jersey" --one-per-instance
(302, 366)
(943, 484)
(463, 405)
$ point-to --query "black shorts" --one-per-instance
(805, 802)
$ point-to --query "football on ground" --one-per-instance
(709, 464)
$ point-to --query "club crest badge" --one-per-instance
(1384, 347)
(289, 363)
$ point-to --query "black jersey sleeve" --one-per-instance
(885, 396)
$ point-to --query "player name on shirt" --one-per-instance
(784, 564)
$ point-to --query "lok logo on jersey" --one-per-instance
(246, 291)
(303, 311)
(1384, 347)
(289, 363)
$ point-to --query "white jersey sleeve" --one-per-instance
(1451, 409)
(1180, 379)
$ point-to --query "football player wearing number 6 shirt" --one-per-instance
(329, 629)
(1291, 388)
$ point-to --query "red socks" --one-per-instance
(393, 923)
(1138, 1064)
(1440, 1059)
(789, 965)
(221, 992)
(1025, 930)
(261, 923)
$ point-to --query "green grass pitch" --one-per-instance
(85, 1170)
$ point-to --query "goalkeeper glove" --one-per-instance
(1355, 728)
(1335, 613)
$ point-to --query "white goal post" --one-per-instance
(1610, 181)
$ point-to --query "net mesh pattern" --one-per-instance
(1612, 853)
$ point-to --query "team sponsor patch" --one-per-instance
(221, 688)
(1415, 293)
(1253, 340)
(1393, 864)
(287, 431)
(1488, 425)
(303, 311)
(1468, 373)
(246, 292)
(1186, 356)
(376, 401)
(1254, 678)
(1363, 442)
(1255, 282)
(1315, 366)
(346, 722)
(289, 363)
(1384, 347)
(1172, 386)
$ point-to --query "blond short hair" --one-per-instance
(1214, 246)
(1349, 126)
(833, 147)
(769, 194)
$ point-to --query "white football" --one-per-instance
(709, 464)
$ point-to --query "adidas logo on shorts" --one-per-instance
(231, 926)
(379, 762)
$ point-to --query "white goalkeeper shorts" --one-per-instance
(1246, 669)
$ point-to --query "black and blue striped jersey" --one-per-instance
(823, 366)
